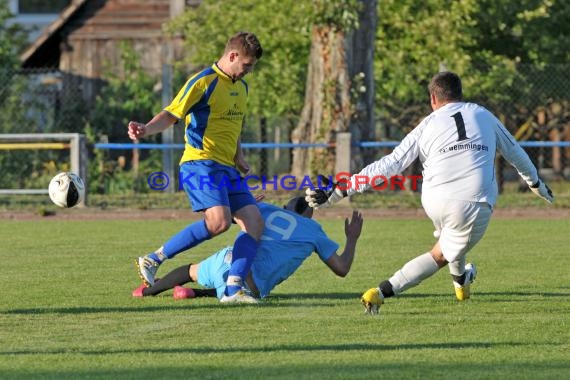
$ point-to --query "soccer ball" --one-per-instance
(66, 189)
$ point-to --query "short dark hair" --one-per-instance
(298, 205)
(247, 43)
(446, 86)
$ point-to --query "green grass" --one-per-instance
(66, 309)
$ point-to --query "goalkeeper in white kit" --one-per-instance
(456, 145)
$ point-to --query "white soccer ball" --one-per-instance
(66, 189)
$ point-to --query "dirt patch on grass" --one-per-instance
(338, 212)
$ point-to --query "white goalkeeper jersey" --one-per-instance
(456, 145)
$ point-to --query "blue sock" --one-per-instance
(245, 248)
(189, 237)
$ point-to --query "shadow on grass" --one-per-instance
(183, 306)
(275, 348)
(125, 309)
(363, 370)
(417, 295)
(274, 301)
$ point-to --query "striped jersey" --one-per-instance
(213, 107)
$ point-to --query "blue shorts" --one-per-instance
(208, 184)
(213, 271)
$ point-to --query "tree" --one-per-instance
(13, 39)
(17, 166)
(127, 95)
(416, 40)
(12, 42)
(276, 85)
(360, 58)
(328, 107)
(526, 31)
(535, 36)
(289, 37)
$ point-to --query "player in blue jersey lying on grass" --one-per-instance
(289, 237)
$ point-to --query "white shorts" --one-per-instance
(461, 224)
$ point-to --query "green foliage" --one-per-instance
(277, 85)
(13, 39)
(12, 42)
(414, 41)
(27, 106)
(128, 95)
(12, 119)
(111, 176)
(527, 31)
(20, 114)
(339, 14)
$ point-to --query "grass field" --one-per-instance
(66, 309)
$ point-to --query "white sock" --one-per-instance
(457, 267)
(413, 272)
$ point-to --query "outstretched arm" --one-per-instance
(159, 123)
(396, 162)
(517, 157)
(340, 264)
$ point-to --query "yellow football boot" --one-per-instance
(371, 300)
(463, 292)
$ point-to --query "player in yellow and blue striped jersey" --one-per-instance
(213, 106)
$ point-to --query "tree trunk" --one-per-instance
(360, 58)
(327, 102)
(335, 61)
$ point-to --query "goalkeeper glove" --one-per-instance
(542, 190)
(319, 198)
(371, 300)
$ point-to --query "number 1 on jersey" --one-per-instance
(460, 124)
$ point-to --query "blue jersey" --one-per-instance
(287, 240)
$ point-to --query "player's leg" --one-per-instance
(216, 220)
(210, 273)
(245, 249)
(176, 277)
(410, 275)
(204, 195)
(475, 218)
(413, 272)
(463, 276)
(247, 216)
(213, 271)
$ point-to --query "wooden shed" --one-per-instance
(85, 39)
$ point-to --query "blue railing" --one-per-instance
(362, 144)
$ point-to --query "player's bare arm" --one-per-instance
(340, 264)
(159, 123)
(240, 160)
